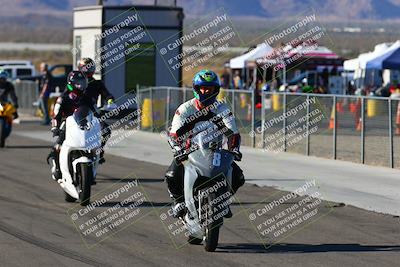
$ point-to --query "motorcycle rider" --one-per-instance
(189, 118)
(94, 90)
(71, 99)
(7, 91)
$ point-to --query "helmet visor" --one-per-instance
(206, 90)
(79, 87)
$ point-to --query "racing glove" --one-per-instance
(179, 153)
(234, 146)
(56, 131)
(180, 156)
(237, 154)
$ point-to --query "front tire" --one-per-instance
(194, 240)
(212, 228)
(86, 176)
(2, 132)
(68, 198)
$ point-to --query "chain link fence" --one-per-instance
(352, 128)
(27, 93)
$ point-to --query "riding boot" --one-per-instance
(174, 180)
(53, 161)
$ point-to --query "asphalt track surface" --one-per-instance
(35, 229)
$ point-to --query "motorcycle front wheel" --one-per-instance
(2, 132)
(194, 240)
(212, 226)
(85, 183)
(68, 198)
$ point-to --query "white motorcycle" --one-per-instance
(79, 155)
(207, 179)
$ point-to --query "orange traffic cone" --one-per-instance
(352, 107)
(398, 120)
(339, 107)
(357, 115)
(359, 125)
(332, 119)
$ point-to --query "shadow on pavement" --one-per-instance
(303, 248)
(272, 179)
(162, 204)
(144, 204)
(125, 180)
(28, 147)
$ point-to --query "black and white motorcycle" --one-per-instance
(207, 179)
(79, 155)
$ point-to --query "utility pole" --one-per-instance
(100, 2)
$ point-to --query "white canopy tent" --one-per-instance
(351, 64)
(240, 62)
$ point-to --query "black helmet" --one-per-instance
(87, 66)
(76, 82)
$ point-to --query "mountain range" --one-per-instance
(50, 21)
(336, 10)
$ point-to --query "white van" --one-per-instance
(17, 68)
(15, 62)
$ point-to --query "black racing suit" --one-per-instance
(7, 91)
(95, 89)
(65, 107)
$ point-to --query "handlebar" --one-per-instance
(182, 154)
(105, 109)
(185, 154)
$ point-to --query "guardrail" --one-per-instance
(353, 128)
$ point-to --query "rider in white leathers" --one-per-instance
(202, 113)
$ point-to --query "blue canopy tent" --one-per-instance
(389, 60)
(393, 61)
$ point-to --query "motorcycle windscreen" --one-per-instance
(207, 138)
(210, 162)
(83, 130)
